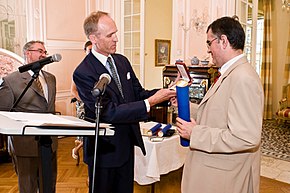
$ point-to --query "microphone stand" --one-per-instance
(44, 145)
(97, 121)
(34, 76)
(36, 68)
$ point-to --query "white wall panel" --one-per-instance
(64, 20)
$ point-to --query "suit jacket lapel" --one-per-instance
(216, 85)
(26, 79)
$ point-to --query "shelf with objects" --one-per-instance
(202, 76)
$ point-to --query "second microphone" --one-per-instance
(100, 86)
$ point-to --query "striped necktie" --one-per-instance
(38, 83)
(114, 75)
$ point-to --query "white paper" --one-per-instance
(43, 119)
(37, 118)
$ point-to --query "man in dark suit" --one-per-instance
(124, 103)
(37, 99)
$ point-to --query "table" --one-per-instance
(161, 157)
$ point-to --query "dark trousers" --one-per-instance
(113, 180)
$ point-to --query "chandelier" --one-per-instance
(197, 22)
(285, 5)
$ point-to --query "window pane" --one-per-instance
(127, 7)
(136, 23)
(243, 11)
(136, 56)
(250, 16)
(127, 40)
(248, 53)
(136, 7)
(127, 23)
(136, 39)
(248, 36)
(127, 53)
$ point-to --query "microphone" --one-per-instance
(37, 65)
(100, 86)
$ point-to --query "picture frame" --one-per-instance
(183, 70)
(162, 52)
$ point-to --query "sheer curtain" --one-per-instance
(267, 63)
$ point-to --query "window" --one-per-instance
(134, 35)
(12, 25)
(247, 11)
(259, 45)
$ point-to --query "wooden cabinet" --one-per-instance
(202, 79)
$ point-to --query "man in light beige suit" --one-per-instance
(225, 138)
(24, 149)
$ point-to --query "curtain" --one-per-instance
(266, 70)
(287, 62)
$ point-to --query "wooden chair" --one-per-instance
(283, 113)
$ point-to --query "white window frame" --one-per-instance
(243, 11)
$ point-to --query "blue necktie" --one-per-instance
(114, 75)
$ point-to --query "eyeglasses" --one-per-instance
(40, 51)
(209, 42)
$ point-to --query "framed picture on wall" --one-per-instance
(162, 52)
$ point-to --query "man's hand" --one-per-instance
(173, 101)
(184, 128)
(160, 96)
(173, 84)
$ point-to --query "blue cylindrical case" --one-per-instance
(164, 130)
(182, 93)
(154, 129)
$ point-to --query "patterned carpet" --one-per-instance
(276, 140)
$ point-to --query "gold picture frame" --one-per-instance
(162, 52)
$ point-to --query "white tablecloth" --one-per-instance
(161, 158)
